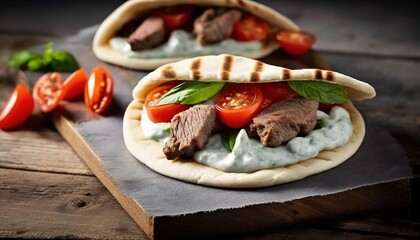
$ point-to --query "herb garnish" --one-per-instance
(229, 138)
(320, 91)
(191, 92)
(51, 60)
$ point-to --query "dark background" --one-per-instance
(389, 28)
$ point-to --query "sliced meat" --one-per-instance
(210, 29)
(149, 34)
(284, 120)
(190, 131)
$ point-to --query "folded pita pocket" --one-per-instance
(234, 69)
(136, 8)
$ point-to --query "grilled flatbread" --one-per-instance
(136, 8)
(236, 69)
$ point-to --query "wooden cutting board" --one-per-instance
(223, 221)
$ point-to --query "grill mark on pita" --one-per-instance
(259, 66)
(196, 75)
(330, 76)
(286, 74)
(227, 63)
(195, 65)
(225, 75)
(168, 72)
(255, 75)
(227, 66)
(318, 74)
(241, 3)
(195, 68)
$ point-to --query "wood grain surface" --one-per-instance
(373, 41)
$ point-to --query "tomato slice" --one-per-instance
(295, 43)
(99, 89)
(74, 85)
(275, 92)
(163, 113)
(237, 104)
(250, 28)
(48, 91)
(18, 108)
(175, 17)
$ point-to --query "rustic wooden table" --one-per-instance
(46, 191)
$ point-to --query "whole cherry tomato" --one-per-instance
(295, 43)
(18, 108)
(74, 85)
(175, 17)
(162, 113)
(275, 92)
(250, 28)
(237, 104)
(48, 91)
(99, 89)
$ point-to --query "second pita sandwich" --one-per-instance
(145, 34)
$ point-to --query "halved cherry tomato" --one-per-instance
(175, 17)
(275, 92)
(74, 85)
(99, 89)
(237, 104)
(250, 28)
(295, 43)
(48, 91)
(18, 108)
(163, 113)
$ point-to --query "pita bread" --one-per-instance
(136, 8)
(239, 70)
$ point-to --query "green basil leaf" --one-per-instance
(229, 138)
(63, 61)
(167, 128)
(191, 92)
(48, 49)
(36, 65)
(21, 59)
(47, 57)
(51, 60)
(320, 91)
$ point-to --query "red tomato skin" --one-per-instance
(99, 89)
(238, 118)
(163, 113)
(175, 17)
(75, 84)
(17, 109)
(275, 92)
(48, 91)
(295, 43)
(250, 28)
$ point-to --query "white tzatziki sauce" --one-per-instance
(249, 155)
(156, 131)
(183, 44)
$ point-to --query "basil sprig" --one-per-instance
(191, 92)
(229, 138)
(320, 91)
(51, 60)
